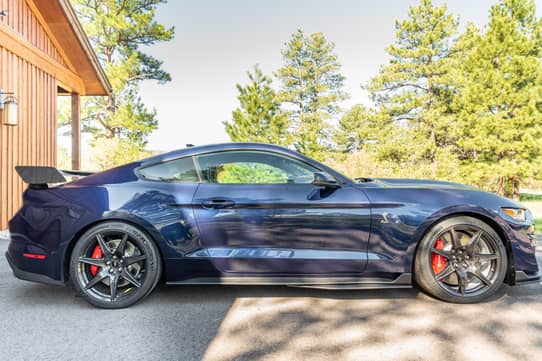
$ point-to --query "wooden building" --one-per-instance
(44, 53)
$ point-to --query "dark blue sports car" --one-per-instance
(256, 214)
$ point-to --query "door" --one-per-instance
(258, 213)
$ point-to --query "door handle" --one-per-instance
(217, 203)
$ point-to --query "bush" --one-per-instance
(107, 153)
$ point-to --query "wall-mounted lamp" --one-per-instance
(4, 12)
(8, 108)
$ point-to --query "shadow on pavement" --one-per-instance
(392, 325)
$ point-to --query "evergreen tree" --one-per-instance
(258, 117)
(363, 129)
(117, 29)
(413, 93)
(311, 90)
(500, 102)
(354, 129)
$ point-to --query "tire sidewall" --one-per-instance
(146, 244)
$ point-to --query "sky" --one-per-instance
(217, 41)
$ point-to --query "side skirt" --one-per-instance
(523, 278)
(329, 283)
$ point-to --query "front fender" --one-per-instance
(517, 242)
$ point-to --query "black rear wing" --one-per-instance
(39, 176)
(75, 173)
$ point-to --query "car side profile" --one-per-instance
(258, 214)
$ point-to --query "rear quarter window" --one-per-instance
(180, 170)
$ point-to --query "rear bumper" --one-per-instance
(29, 276)
(523, 278)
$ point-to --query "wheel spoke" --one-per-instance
(122, 245)
(103, 244)
(113, 283)
(93, 282)
(473, 242)
(487, 257)
(481, 277)
(462, 281)
(455, 241)
(130, 278)
(134, 259)
(100, 262)
(445, 273)
(441, 252)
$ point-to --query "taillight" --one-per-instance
(34, 255)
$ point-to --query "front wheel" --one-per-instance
(114, 265)
(462, 260)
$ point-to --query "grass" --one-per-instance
(525, 197)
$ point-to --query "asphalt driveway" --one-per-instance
(39, 322)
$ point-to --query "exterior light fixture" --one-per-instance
(8, 108)
(4, 13)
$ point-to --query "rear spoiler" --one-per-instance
(39, 176)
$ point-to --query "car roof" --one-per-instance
(195, 150)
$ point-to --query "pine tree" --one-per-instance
(367, 129)
(258, 117)
(311, 90)
(353, 129)
(118, 29)
(500, 102)
(413, 94)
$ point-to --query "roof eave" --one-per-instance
(87, 47)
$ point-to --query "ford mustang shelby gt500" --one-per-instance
(257, 214)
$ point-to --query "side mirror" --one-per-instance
(323, 179)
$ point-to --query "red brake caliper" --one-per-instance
(439, 262)
(97, 253)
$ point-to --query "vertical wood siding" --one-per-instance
(33, 140)
(23, 21)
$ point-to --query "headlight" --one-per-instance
(518, 214)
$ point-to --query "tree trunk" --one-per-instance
(500, 186)
(515, 188)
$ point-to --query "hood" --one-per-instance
(455, 192)
(417, 183)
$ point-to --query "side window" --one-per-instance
(179, 170)
(251, 167)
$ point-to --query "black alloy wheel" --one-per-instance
(462, 260)
(114, 265)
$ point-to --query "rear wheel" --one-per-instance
(462, 260)
(114, 265)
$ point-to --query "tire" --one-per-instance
(461, 260)
(114, 265)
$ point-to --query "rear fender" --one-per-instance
(120, 216)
